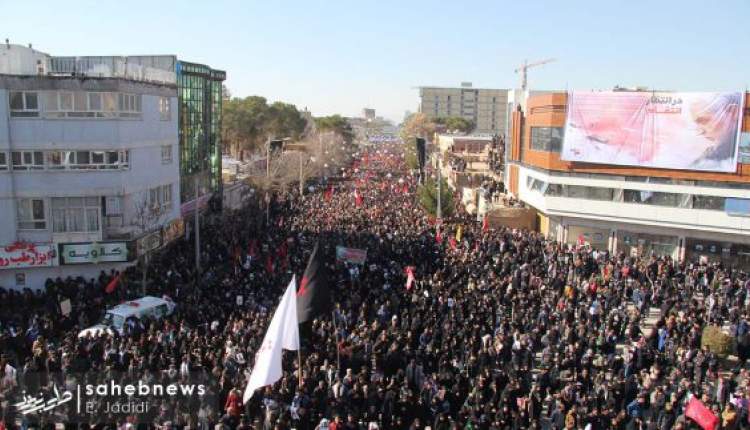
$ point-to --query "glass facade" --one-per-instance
(199, 118)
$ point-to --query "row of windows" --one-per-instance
(73, 160)
(646, 179)
(65, 160)
(81, 104)
(657, 198)
(82, 214)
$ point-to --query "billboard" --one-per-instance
(93, 252)
(690, 131)
(744, 148)
(351, 255)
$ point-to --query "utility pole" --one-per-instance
(301, 186)
(439, 188)
(197, 227)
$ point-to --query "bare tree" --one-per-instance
(147, 218)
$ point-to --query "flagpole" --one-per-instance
(299, 364)
(338, 352)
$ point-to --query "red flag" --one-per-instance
(438, 237)
(281, 251)
(485, 224)
(357, 198)
(329, 192)
(409, 277)
(452, 242)
(699, 413)
(113, 284)
(581, 240)
(269, 264)
(405, 189)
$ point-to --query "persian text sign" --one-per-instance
(351, 255)
(20, 255)
(81, 253)
(691, 131)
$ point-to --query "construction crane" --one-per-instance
(522, 69)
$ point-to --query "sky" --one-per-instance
(341, 56)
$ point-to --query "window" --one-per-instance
(166, 154)
(712, 203)
(160, 198)
(652, 198)
(31, 214)
(129, 105)
(589, 193)
(3, 161)
(24, 104)
(27, 160)
(547, 139)
(164, 109)
(75, 214)
(87, 160)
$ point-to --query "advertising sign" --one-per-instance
(351, 255)
(83, 253)
(20, 255)
(690, 131)
(148, 243)
(174, 230)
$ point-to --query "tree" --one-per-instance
(284, 120)
(428, 197)
(147, 218)
(417, 125)
(456, 123)
(336, 124)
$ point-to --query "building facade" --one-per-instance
(90, 155)
(486, 108)
(199, 90)
(630, 209)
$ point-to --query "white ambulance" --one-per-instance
(144, 308)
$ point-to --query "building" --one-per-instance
(90, 156)
(368, 114)
(486, 108)
(683, 212)
(199, 91)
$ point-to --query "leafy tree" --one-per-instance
(456, 123)
(284, 120)
(428, 197)
(336, 124)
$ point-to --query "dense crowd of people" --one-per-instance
(501, 329)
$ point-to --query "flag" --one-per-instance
(405, 189)
(458, 234)
(357, 198)
(699, 413)
(112, 286)
(283, 333)
(485, 224)
(314, 295)
(438, 236)
(452, 242)
(409, 277)
(329, 192)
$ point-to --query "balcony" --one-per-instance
(155, 69)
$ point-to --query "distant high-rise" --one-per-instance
(486, 108)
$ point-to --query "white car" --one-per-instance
(114, 319)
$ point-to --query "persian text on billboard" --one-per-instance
(691, 131)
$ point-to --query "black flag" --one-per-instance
(314, 294)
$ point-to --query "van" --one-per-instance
(115, 319)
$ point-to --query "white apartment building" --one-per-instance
(487, 108)
(89, 165)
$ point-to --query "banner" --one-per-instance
(351, 255)
(21, 255)
(690, 131)
(744, 148)
(82, 253)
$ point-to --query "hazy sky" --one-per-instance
(340, 56)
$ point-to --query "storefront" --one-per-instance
(642, 244)
(597, 238)
(731, 254)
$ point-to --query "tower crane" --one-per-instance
(526, 65)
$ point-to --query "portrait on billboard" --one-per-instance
(672, 130)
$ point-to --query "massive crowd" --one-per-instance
(502, 329)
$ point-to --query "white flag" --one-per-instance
(283, 332)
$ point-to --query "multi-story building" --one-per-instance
(683, 212)
(486, 108)
(199, 93)
(90, 161)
